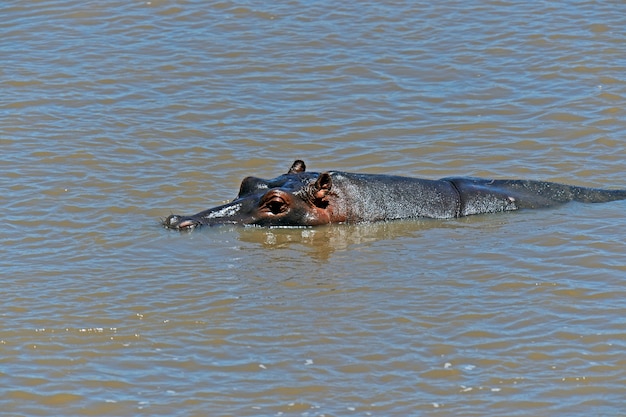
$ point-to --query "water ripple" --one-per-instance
(116, 114)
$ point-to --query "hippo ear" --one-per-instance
(322, 186)
(297, 167)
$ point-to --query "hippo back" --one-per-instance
(370, 197)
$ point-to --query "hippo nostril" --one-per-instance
(171, 222)
(180, 223)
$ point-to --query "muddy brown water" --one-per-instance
(115, 114)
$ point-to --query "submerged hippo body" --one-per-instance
(300, 198)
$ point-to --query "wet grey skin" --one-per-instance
(301, 198)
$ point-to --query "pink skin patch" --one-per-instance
(186, 224)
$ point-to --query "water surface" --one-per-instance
(115, 114)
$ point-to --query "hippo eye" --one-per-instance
(276, 205)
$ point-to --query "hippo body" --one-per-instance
(300, 198)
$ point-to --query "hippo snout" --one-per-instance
(179, 223)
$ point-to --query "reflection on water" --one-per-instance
(327, 239)
(116, 114)
(321, 242)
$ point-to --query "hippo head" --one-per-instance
(297, 198)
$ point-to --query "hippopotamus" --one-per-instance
(302, 198)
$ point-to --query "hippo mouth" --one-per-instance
(229, 213)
